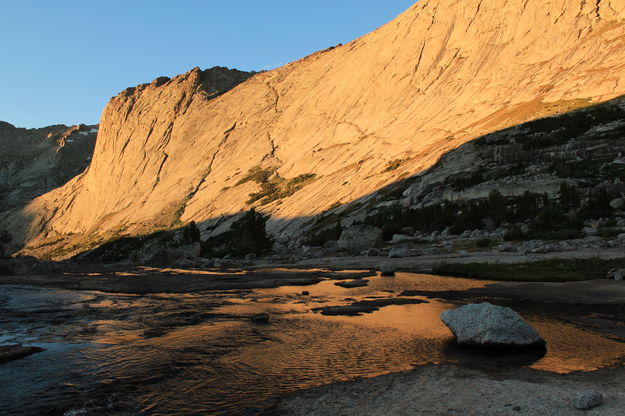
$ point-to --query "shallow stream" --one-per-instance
(123, 354)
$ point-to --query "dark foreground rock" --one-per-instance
(15, 352)
(4, 271)
(587, 401)
(488, 325)
(365, 306)
(261, 318)
(387, 269)
(353, 283)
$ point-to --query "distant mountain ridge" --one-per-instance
(35, 161)
(330, 128)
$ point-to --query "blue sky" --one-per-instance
(62, 60)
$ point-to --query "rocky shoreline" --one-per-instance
(449, 389)
(274, 272)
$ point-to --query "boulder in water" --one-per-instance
(487, 325)
(353, 283)
(387, 269)
(261, 318)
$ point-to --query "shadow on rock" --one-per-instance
(493, 357)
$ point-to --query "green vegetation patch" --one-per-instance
(247, 235)
(272, 186)
(559, 218)
(483, 243)
(5, 238)
(279, 188)
(393, 191)
(594, 171)
(394, 165)
(554, 270)
(320, 237)
(121, 248)
(553, 131)
(463, 181)
(258, 175)
(561, 128)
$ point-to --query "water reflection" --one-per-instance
(201, 354)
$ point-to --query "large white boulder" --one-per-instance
(360, 237)
(488, 325)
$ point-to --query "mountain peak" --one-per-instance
(324, 130)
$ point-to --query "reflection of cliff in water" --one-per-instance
(200, 353)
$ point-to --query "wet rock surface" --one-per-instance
(451, 390)
(15, 352)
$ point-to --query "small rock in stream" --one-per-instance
(353, 283)
(15, 352)
(261, 318)
(365, 306)
(387, 270)
(587, 401)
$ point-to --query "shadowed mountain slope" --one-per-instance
(35, 161)
(334, 126)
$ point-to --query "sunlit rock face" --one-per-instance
(332, 127)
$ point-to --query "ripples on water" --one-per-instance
(112, 354)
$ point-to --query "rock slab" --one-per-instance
(360, 237)
(489, 325)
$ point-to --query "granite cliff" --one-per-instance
(331, 128)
